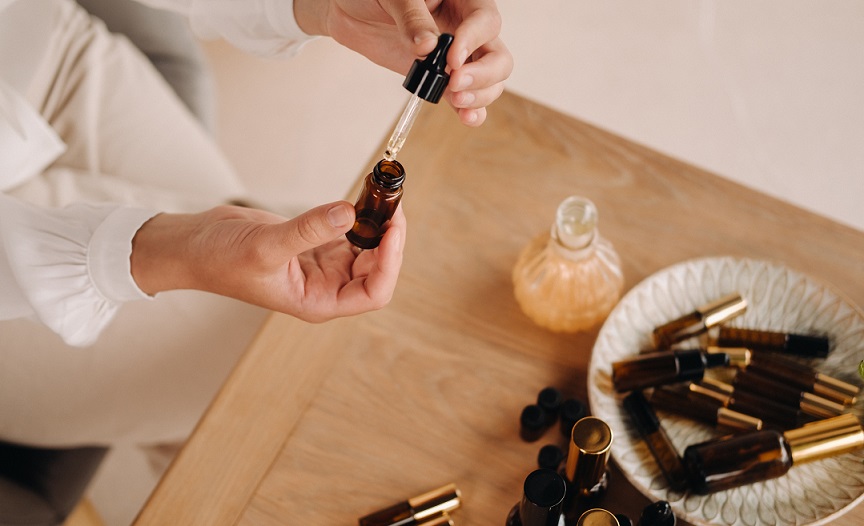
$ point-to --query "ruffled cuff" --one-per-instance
(72, 264)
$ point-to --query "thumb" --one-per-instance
(415, 22)
(316, 227)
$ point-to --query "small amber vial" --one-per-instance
(379, 197)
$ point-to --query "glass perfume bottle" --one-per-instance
(379, 197)
(569, 279)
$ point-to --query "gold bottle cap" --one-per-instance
(598, 517)
(709, 394)
(590, 446)
(441, 520)
(723, 309)
(717, 386)
(738, 356)
(819, 407)
(825, 438)
(433, 503)
(738, 421)
(835, 389)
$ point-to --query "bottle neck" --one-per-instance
(388, 174)
(575, 228)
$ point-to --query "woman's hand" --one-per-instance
(303, 266)
(393, 33)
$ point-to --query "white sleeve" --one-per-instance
(67, 267)
(262, 27)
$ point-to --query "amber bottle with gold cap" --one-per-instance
(586, 469)
(419, 510)
(742, 459)
(379, 197)
(699, 321)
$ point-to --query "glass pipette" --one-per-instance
(426, 81)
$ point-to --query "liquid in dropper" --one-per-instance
(400, 133)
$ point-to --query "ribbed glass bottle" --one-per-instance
(570, 278)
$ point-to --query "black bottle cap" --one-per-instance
(550, 399)
(657, 514)
(807, 345)
(427, 78)
(641, 413)
(550, 457)
(572, 410)
(543, 498)
(532, 422)
(623, 520)
(693, 362)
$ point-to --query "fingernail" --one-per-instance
(471, 117)
(338, 216)
(464, 82)
(462, 57)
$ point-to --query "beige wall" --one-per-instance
(769, 93)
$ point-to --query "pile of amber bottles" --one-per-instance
(780, 411)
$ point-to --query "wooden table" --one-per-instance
(321, 424)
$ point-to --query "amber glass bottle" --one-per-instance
(737, 460)
(569, 279)
(379, 197)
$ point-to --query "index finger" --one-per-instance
(481, 23)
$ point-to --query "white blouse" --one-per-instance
(69, 268)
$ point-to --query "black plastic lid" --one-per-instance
(572, 411)
(543, 498)
(641, 413)
(427, 78)
(550, 457)
(533, 417)
(692, 363)
(807, 345)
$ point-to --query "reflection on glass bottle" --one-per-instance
(379, 197)
(569, 279)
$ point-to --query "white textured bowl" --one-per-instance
(779, 299)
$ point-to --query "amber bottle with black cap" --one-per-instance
(418, 510)
(742, 459)
(699, 321)
(542, 500)
(810, 345)
(661, 368)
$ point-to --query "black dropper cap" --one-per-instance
(427, 78)
(572, 411)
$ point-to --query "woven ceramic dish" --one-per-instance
(779, 299)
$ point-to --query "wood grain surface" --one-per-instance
(321, 424)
